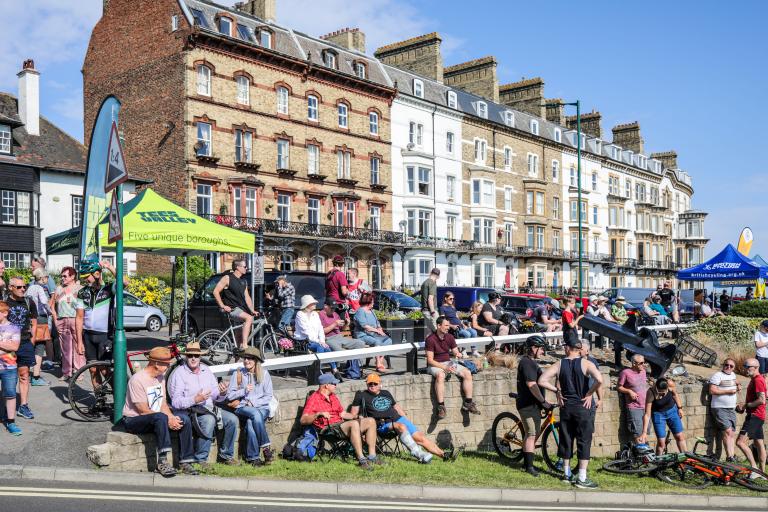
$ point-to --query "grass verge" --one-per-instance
(473, 469)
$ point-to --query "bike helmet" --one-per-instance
(642, 449)
(89, 266)
(535, 341)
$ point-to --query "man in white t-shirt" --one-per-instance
(725, 391)
(761, 346)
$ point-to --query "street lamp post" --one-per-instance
(403, 227)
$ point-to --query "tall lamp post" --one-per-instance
(577, 104)
(403, 227)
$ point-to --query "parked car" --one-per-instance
(204, 312)
(390, 299)
(522, 304)
(634, 297)
(138, 315)
(464, 296)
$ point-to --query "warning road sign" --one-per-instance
(116, 170)
(115, 222)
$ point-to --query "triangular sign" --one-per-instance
(115, 222)
(116, 170)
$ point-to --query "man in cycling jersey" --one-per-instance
(530, 399)
(231, 294)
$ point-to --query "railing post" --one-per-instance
(313, 373)
(412, 360)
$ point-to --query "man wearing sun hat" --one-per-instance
(194, 391)
(146, 410)
(380, 405)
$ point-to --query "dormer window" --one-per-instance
(453, 100)
(482, 109)
(265, 38)
(598, 146)
(534, 127)
(509, 118)
(225, 26)
(418, 88)
(558, 135)
(641, 161)
(199, 18)
(244, 33)
(614, 152)
(360, 70)
(5, 139)
(329, 59)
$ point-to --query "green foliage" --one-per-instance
(750, 308)
(728, 331)
(198, 271)
(415, 315)
(24, 273)
(155, 292)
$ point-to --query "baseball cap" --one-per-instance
(764, 324)
(374, 377)
(435, 271)
(330, 301)
(327, 378)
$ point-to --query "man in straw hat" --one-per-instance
(146, 410)
(194, 391)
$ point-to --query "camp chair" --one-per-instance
(388, 443)
(332, 446)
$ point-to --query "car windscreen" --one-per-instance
(636, 297)
(403, 300)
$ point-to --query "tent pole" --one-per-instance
(253, 281)
(186, 295)
(173, 294)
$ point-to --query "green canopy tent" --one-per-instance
(154, 224)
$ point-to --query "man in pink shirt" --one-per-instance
(332, 325)
(633, 384)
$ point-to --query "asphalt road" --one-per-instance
(38, 496)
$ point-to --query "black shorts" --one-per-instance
(98, 346)
(494, 328)
(752, 427)
(577, 425)
(25, 356)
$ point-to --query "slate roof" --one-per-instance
(53, 149)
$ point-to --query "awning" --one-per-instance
(729, 264)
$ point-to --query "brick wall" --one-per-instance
(414, 392)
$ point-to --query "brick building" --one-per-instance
(254, 125)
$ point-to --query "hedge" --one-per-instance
(728, 331)
(750, 308)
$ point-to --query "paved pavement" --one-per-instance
(43, 489)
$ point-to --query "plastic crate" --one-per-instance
(689, 346)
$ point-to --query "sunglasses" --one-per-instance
(449, 298)
(19, 287)
(641, 363)
(729, 366)
(249, 358)
(193, 356)
(373, 384)
(747, 366)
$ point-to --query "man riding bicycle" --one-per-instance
(231, 294)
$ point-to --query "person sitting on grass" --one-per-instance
(323, 410)
(380, 405)
(440, 346)
(664, 408)
(146, 410)
(250, 391)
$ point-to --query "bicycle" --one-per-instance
(688, 469)
(96, 403)
(507, 435)
(223, 345)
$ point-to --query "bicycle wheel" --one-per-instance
(507, 436)
(549, 444)
(219, 345)
(751, 478)
(683, 475)
(269, 347)
(89, 402)
(630, 466)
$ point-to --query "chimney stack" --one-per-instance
(421, 55)
(667, 158)
(263, 9)
(476, 76)
(29, 97)
(555, 110)
(590, 124)
(350, 38)
(628, 136)
(527, 95)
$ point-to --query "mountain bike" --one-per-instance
(689, 469)
(223, 345)
(507, 435)
(95, 401)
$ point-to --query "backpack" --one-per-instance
(353, 371)
(303, 448)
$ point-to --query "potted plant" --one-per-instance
(398, 323)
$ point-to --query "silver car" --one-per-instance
(138, 315)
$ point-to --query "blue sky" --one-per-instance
(693, 73)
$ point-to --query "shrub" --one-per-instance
(750, 308)
(24, 273)
(728, 331)
(153, 291)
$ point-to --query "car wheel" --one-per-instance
(154, 324)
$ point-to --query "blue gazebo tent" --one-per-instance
(726, 265)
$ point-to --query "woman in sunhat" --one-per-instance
(308, 327)
(249, 392)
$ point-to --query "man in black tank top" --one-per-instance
(571, 377)
(231, 294)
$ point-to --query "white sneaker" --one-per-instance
(426, 459)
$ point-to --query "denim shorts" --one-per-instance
(670, 418)
(386, 427)
(763, 364)
(8, 380)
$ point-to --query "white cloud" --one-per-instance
(49, 31)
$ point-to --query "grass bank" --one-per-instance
(472, 469)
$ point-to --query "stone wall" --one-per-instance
(127, 452)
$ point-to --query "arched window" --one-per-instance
(203, 80)
(243, 90)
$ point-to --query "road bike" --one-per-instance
(222, 346)
(94, 401)
(689, 470)
(507, 435)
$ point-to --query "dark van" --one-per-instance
(464, 296)
(204, 312)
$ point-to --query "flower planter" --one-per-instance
(414, 330)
